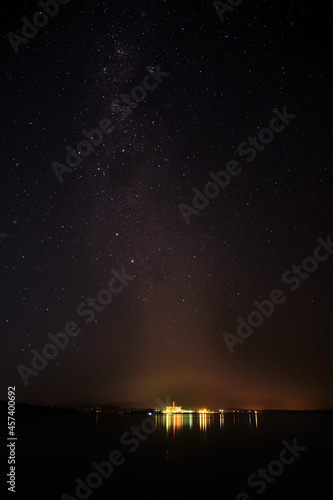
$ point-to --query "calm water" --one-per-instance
(194, 456)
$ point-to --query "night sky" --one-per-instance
(162, 334)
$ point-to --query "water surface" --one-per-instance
(196, 456)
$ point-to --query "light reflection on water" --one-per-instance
(175, 422)
(201, 427)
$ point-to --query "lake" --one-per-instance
(188, 456)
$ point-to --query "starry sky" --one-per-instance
(162, 336)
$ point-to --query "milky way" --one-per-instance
(163, 335)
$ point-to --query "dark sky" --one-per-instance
(162, 334)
